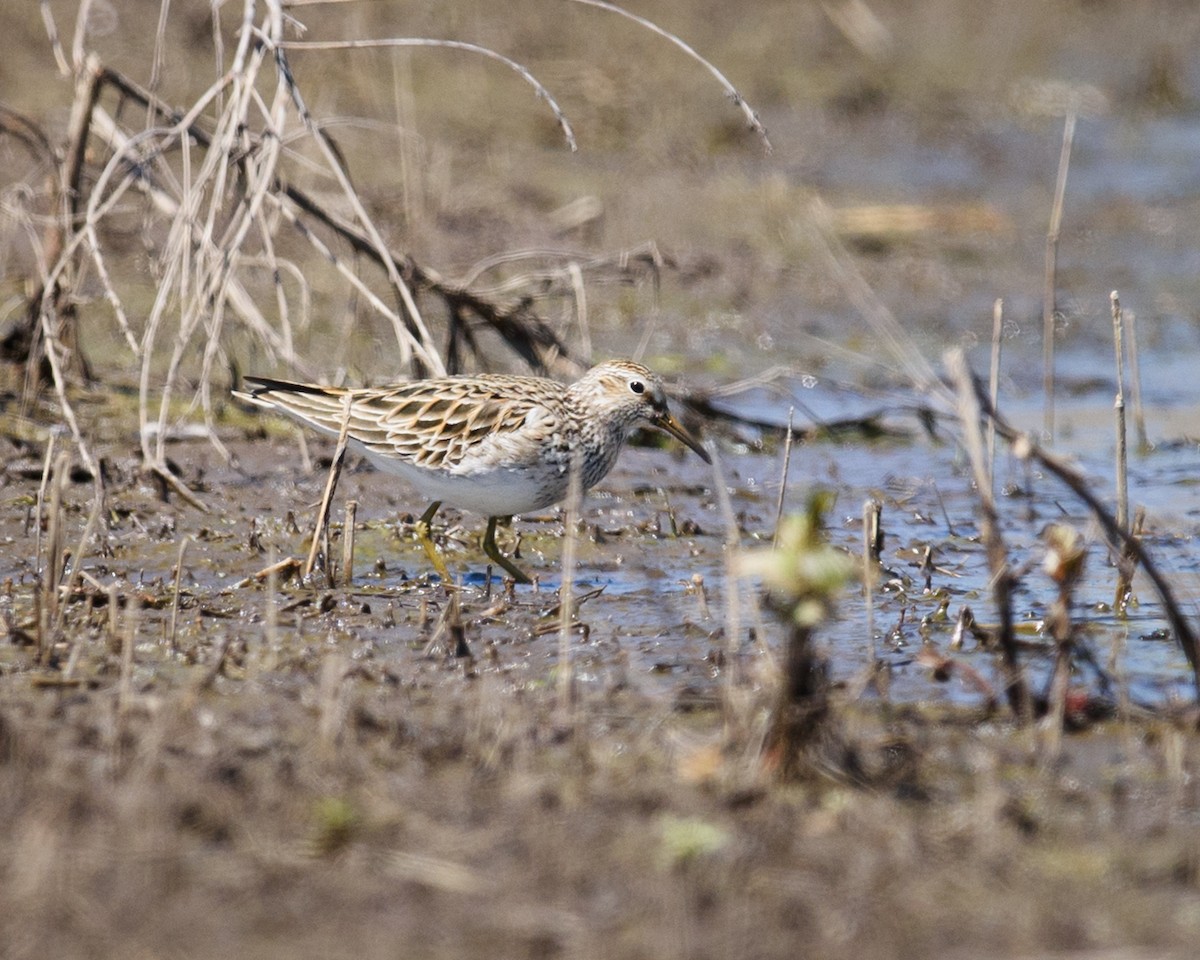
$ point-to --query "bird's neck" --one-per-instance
(600, 444)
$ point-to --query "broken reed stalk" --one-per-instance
(1003, 580)
(1135, 383)
(347, 572)
(730, 91)
(783, 473)
(172, 638)
(994, 386)
(1119, 408)
(39, 512)
(581, 307)
(51, 299)
(1124, 561)
(872, 543)
(52, 570)
(319, 536)
(566, 597)
(1029, 451)
(1050, 286)
(114, 625)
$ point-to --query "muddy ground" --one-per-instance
(334, 772)
(199, 759)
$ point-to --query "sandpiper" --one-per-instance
(497, 445)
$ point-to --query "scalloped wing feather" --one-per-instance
(443, 423)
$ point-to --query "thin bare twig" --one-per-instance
(997, 554)
(1027, 449)
(783, 473)
(376, 42)
(566, 599)
(738, 100)
(347, 573)
(1050, 282)
(335, 471)
(1119, 409)
(994, 386)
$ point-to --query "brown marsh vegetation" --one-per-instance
(204, 753)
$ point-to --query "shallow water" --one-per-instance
(653, 539)
(662, 616)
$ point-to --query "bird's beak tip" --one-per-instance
(684, 436)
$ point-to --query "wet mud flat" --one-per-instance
(385, 768)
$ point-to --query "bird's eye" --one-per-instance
(637, 386)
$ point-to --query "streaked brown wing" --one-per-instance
(436, 423)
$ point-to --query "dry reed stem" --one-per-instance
(288, 566)
(783, 473)
(738, 100)
(40, 517)
(169, 479)
(581, 307)
(113, 633)
(52, 570)
(1050, 280)
(393, 42)
(1124, 562)
(888, 330)
(994, 386)
(416, 345)
(1029, 451)
(530, 337)
(872, 540)
(566, 606)
(347, 572)
(56, 48)
(997, 554)
(50, 346)
(172, 637)
(1122, 463)
(319, 535)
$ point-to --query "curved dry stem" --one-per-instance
(738, 100)
(110, 290)
(864, 299)
(414, 337)
(1027, 449)
(625, 266)
(541, 91)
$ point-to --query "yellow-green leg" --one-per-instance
(424, 535)
(490, 548)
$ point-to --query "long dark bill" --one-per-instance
(676, 429)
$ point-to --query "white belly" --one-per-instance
(499, 492)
